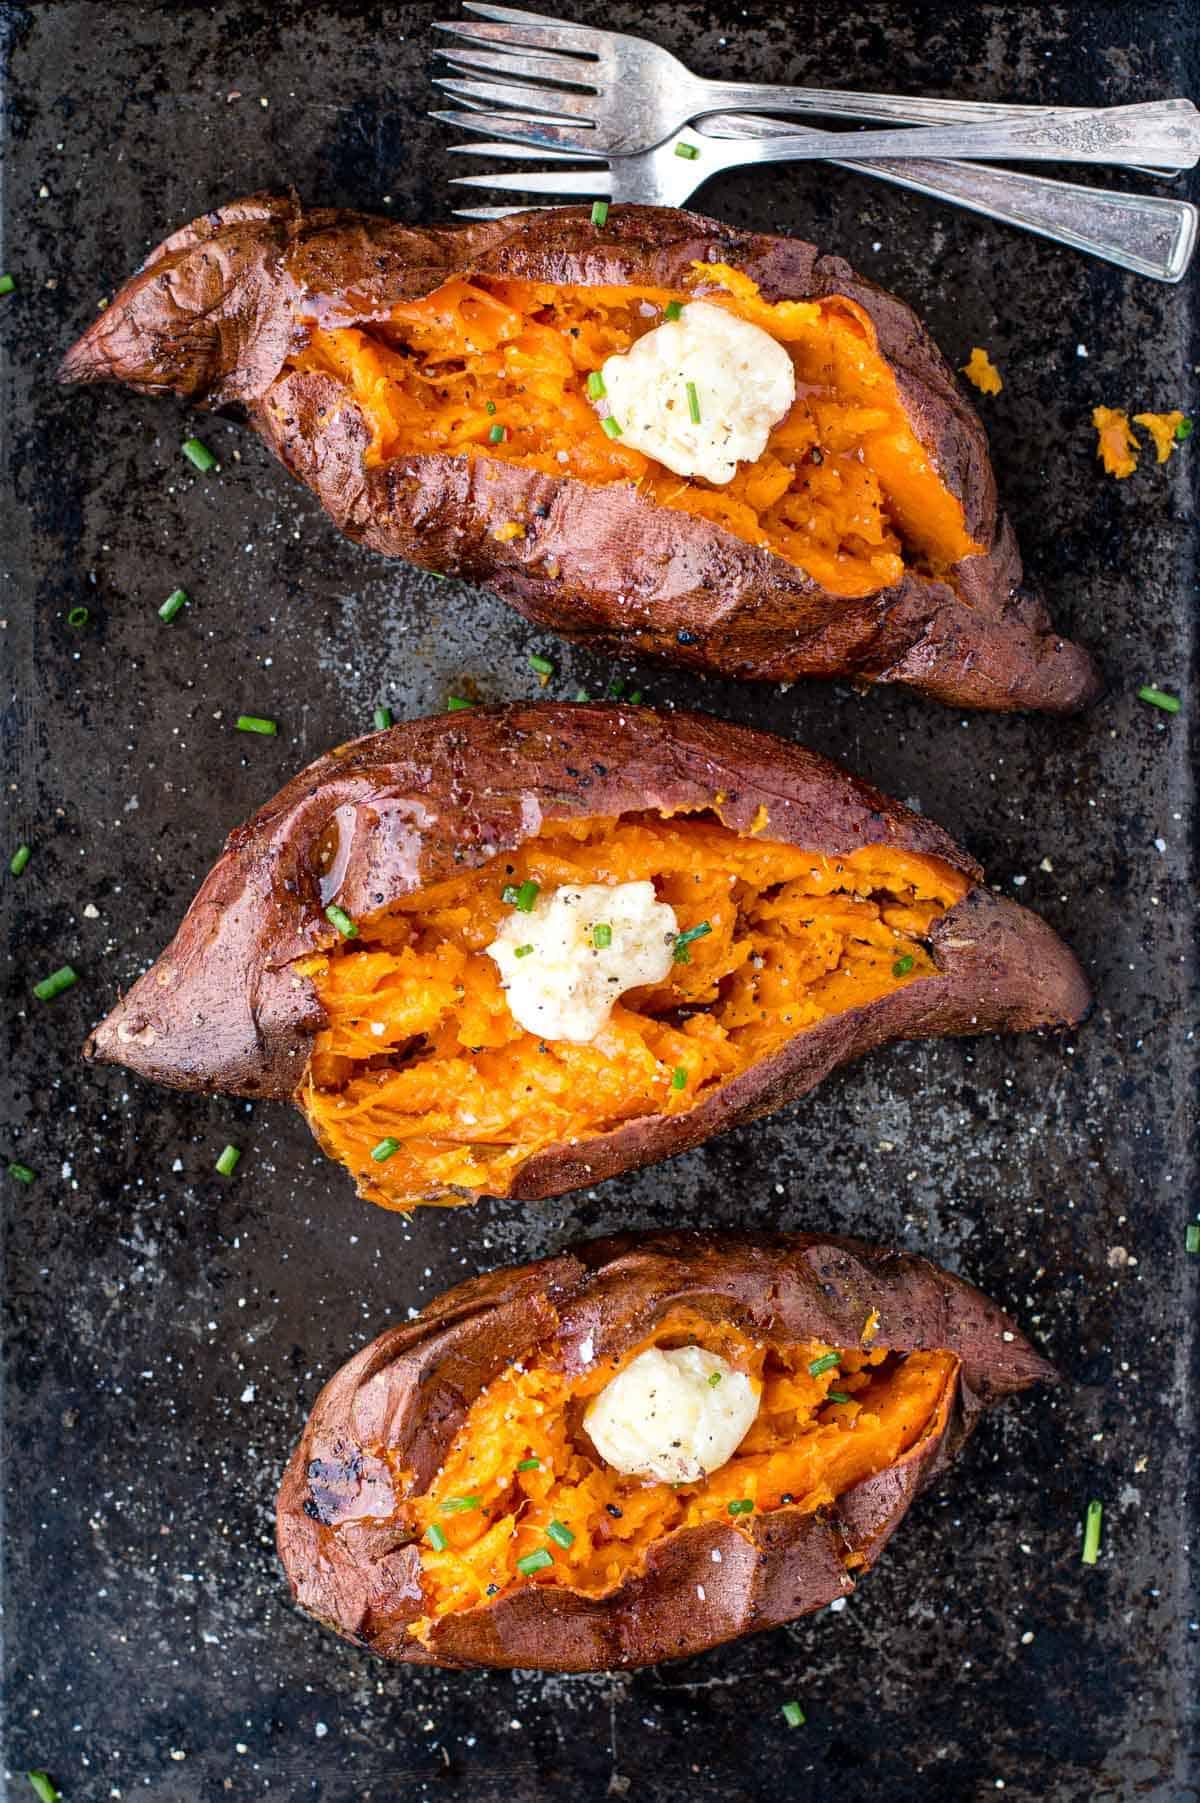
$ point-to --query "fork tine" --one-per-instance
(521, 34)
(538, 137)
(495, 212)
(520, 153)
(556, 102)
(533, 67)
(591, 182)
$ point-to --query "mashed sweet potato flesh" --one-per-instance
(421, 1048)
(486, 367)
(523, 1478)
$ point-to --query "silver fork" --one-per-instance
(635, 94)
(1145, 233)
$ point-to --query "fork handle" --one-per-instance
(1142, 232)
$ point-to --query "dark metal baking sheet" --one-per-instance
(165, 1330)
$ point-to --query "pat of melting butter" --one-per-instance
(672, 1416)
(565, 963)
(709, 363)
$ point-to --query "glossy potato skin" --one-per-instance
(223, 1009)
(217, 309)
(408, 1392)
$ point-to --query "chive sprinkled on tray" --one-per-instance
(496, 434)
(903, 965)
(828, 1361)
(679, 1077)
(743, 1506)
(6, 287)
(681, 953)
(435, 1537)
(792, 1714)
(21, 1173)
(714, 1378)
(529, 1465)
(688, 151)
(19, 859)
(522, 951)
(616, 688)
(456, 703)
(43, 1789)
(1170, 704)
(601, 935)
(383, 1151)
(536, 1561)
(560, 1534)
(1184, 430)
(540, 664)
(256, 723)
(339, 918)
(227, 1163)
(673, 310)
(197, 452)
(693, 404)
(55, 983)
(178, 598)
(383, 718)
(599, 212)
(1091, 1532)
(520, 896)
(1191, 1239)
(609, 425)
(78, 618)
(595, 385)
(582, 695)
(459, 1505)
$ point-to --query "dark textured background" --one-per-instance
(167, 1330)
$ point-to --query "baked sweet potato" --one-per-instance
(432, 387)
(447, 1503)
(809, 919)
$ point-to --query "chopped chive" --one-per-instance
(78, 617)
(1170, 704)
(828, 1361)
(383, 719)
(837, 1396)
(435, 1537)
(792, 1714)
(520, 896)
(459, 1505)
(1091, 1533)
(456, 703)
(489, 406)
(635, 697)
(679, 1077)
(601, 935)
(714, 1378)
(673, 309)
(903, 965)
(693, 404)
(227, 1163)
(21, 1173)
(561, 1536)
(530, 1465)
(582, 695)
(383, 1151)
(339, 918)
(610, 426)
(522, 951)
(55, 983)
(6, 287)
(496, 435)
(595, 385)
(683, 940)
(19, 859)
(197, 452)
(616, 688)
(1184, 430)
(743, 1506)
(175, 600)
(43, 1789)
(532, 1562)
(689, 151)
(255, 723)
(599, 212)
(541, 664)
(1191, 1238)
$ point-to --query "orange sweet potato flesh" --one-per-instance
(365, 353)
(443, 1453)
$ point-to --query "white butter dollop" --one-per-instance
(562, 985)
(664, 1416)
(744, 384)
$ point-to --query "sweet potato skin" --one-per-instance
(409, 1391)
(223, 1009)
(218, 307)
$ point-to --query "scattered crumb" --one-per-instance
(980, 370)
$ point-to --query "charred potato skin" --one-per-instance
(218, 307)
(410, 1390)
(224, 1010)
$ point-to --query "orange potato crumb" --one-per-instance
(1116, 448)
(980, 370)
(1162, 428)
